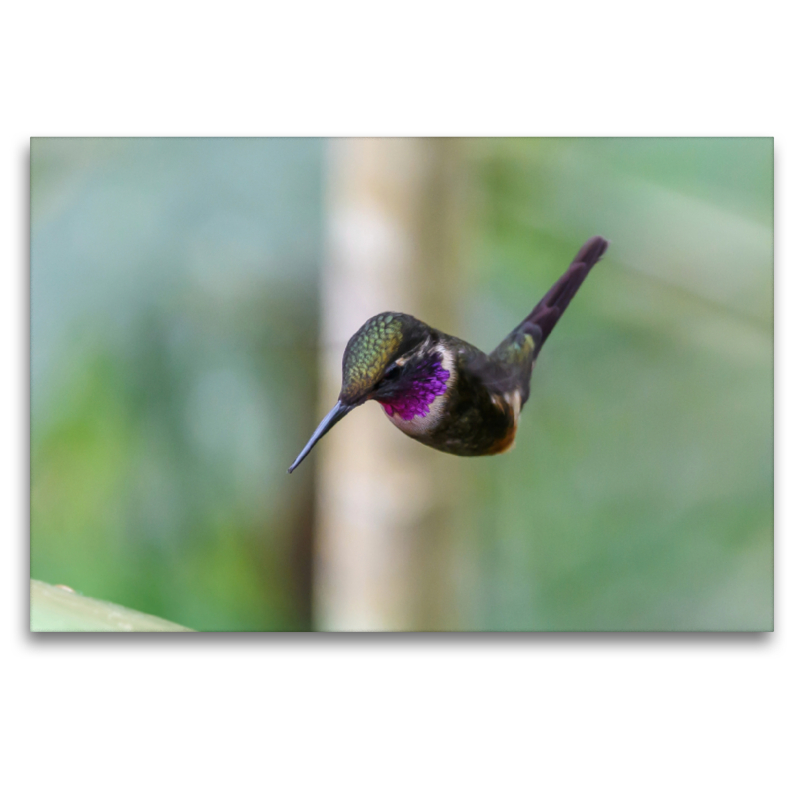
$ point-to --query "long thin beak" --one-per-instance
(334, 415)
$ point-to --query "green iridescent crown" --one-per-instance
(369, 351)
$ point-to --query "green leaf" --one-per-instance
(60, 609)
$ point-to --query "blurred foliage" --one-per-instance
(639, 494)
(174, 330)
(174, 360)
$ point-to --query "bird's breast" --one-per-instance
(419, 424)
(475, 424)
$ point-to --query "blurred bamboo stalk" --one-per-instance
(385, 502)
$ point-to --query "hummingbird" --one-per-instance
(443, 391)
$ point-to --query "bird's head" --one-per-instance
(382, 362)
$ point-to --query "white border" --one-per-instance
(559, 716)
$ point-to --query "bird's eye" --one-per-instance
(392, 372)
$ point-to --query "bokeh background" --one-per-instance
(179, 289)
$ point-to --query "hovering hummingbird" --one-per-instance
(441, 390)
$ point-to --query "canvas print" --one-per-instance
(512, 385)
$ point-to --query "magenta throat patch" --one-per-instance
(429, 382)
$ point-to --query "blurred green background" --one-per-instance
(174, 364)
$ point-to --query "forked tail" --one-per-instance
(549, 309)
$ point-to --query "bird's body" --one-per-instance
(476, 409)
(443, 391)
